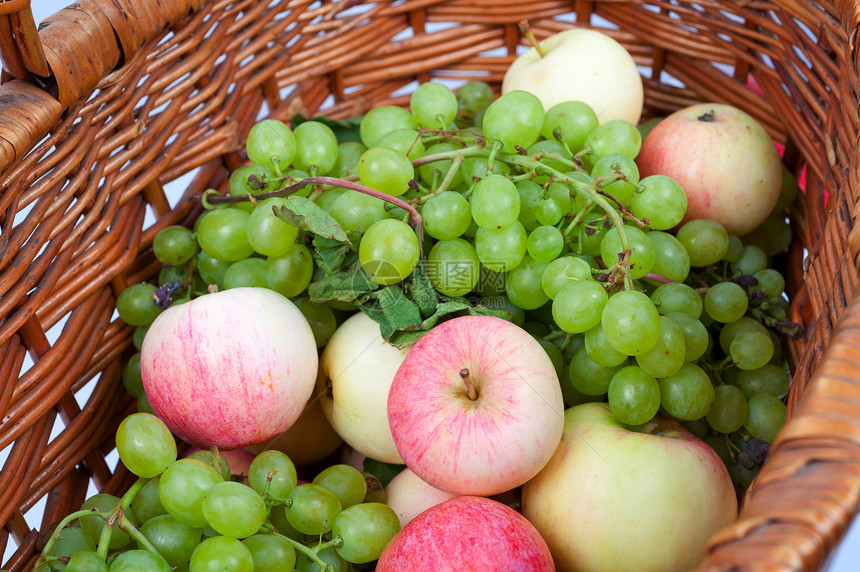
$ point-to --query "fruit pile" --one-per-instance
(570, 228)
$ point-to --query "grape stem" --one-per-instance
(658, 278)
(56, 533)
(417, 223)
(446, 182)
(311, 553)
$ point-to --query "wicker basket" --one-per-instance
(111, 100)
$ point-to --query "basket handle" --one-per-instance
(20, 49)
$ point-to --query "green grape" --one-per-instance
(562, 194)
(355, 211)
(327, 199)
(676, 297)
(588, 377)
(386, 170)
(613, 136)
(272, 144)
(473, 169)
(569, 122)
(600, 350)
(138, 335)
(726, 302)
(473, 96)
(321, 318)
(345, 481)
(316, 147)
(769, 378)
(447, 215)
(495, 203)
(234, 509)
(334, 562)
(173, 540)
(291, 273)
(735, 249)
(770, 282)
(346, 164)
(490, 283)
(552, 351)
(752, 260)
(174, 245)
(86, 561)
(661, 200)
(547, 151)
(278, 518)
(268, 234)
(433, 173)
(668, 354)
(530, 194)
(221, 553)
(144, 406)
(453, 267)
(501, 250)
(218, 463)
(170, 273)
(136, 305)
(670, 259)
(138, 561)
(389, 251)
(223, 234)
(313, 509)
(633, 396)
(729, 410)
(732, 330)
(71, 539)
(433, 104)
(545, 243)
(366, 529)
(524, 284)
(631, 322)
(250, 272)
(272, 473)
(94, 523)
(562, 271)
(614, 164)
(688, 393)
(595, 225)
(384, 119)
(131, 378)
(271, 553)
(642, 251)
(548, 211)
(250, 180)
(182, 488)
(145, 444)
(696, 337)
(773, 235)
(146, 504)
(578, 306)
(407, 142)
(751, 350)
(211, 269)
(706, 241)
(514, 119)
(766, 415)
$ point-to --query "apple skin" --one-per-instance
(230, 368)
(467, 533)
(359, 366)
(581, 65)
(409, 496)
(616, 499)
(724, 160)
(493, 443)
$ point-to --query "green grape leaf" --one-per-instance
(420, 289)
(482, 310)
(383, 472)
(344, 129)
(392, 310)
(350, 284)
(331, 255)
(308, 216)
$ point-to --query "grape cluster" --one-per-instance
(538, 216)
(192, 514)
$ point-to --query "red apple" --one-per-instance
(724, 160)
(409, 496)
(467, 533)
(614, 498)
(476, 406)
(231, 368)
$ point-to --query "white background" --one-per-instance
(846, 559)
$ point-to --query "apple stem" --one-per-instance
(467, 381)
(527, 31)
